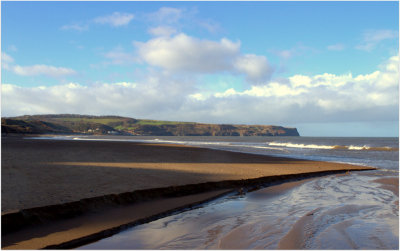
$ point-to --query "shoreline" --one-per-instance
(150, 171)
(60, 226)
(69, 232)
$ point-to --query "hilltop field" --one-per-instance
(115, 125)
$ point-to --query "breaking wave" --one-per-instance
(335, 147)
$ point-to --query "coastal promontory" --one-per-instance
(116, 125)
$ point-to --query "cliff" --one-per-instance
(84, 124)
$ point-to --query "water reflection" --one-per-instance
(334, 212)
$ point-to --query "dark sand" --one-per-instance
(38, 173)
(92, 225)
(391, 184)
(45, 172)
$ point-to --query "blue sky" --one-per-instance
(327, 68)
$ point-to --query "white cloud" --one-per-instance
(273, 89)
(185, 53)
(256, 68)
(6, 61)
(392, 65)
(227, 93)
(319, 98)
(166, 15)
(156, 96)
(6, 58)
(300, 80)
(198, 96)
(46, 70)
(77, 27)
(162, 31)
(372, 38)
(180, 17)
(182, 53)
(116, 19)
(299, 99)
(336, 47)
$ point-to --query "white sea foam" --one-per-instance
(335, 147)
(280, 146)
(292, 145)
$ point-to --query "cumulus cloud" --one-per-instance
(155, 96)
(273, 89)
(319, 98)
(372, 38)
(116, 19)
(324, 97)
(183, 53)
(256, 68)
(197, 96)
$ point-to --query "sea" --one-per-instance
(357, 210)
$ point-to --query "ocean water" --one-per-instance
(352, 211)
(382, 153)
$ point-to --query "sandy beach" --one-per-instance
(38, 173)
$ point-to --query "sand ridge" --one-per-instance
(46, 172)
(42, 176)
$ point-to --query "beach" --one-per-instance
(40, 173)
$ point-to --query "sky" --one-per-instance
(326, 68)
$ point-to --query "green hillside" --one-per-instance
(86, 124)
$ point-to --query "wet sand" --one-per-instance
(37, 173)
(391, 184)
(93, 226)
(235, 240)
(46, 172)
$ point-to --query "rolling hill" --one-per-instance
(115, 125)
